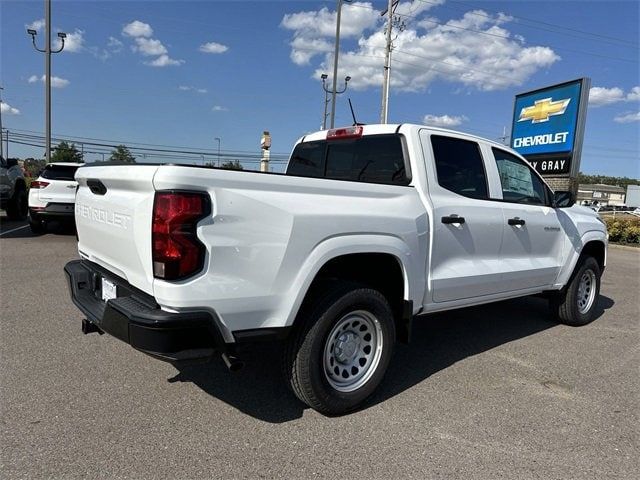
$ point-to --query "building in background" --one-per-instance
(633, 196)
(600, 194)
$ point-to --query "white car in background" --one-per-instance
(52, 195)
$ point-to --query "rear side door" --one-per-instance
(62, 185)
(533, 238)
(467, 227)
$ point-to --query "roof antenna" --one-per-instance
(355, 122)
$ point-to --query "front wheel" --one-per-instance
(576, 304)
(341, 349)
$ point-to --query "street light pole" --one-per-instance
(218, 140)
(1, 134)
(47, 51)
(326, 93)
(335, 61)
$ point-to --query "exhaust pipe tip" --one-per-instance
(233, 363)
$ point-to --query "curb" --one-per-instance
(624, 247)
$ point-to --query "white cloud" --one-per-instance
(56, 82)
(164, 61)
(141, 34)
(219, 108)
(599, 96)
(313, 31)
(634, 95)
(137, 29)
(74, 42)
(424, 52)
(114, 44)
(188, 88)
(36, 25)
(627, 118)
(149, 47)
(446, 121)
(213, 47)
(8, 109)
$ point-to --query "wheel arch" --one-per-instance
(594, 243)
(381, 263)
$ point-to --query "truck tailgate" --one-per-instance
(113, 216)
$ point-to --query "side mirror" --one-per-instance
(563, 199)
(12, 162)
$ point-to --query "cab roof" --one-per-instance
(378, 129)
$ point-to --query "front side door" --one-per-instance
(467, 226)
(533, 239)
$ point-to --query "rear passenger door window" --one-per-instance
(519, 182)
(459, 166)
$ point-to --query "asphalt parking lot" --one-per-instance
(497, 391)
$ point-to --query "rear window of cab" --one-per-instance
(368, 159)
(59, 172)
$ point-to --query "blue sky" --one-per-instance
(181, 73)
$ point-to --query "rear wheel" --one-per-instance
(37, 226)
(575, 305)
(17, 205)
(341, 349)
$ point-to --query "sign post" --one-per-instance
(548, 130)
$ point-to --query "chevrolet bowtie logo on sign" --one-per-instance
(541, 110)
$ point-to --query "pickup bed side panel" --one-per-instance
(269, 235)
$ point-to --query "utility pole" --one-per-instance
(218, 140)
(265, 145)
(326, 98)
(1, 137)
(387, 65)
(47, 51)
(504, 136)
(335, 61)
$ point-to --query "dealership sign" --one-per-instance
(548, 126)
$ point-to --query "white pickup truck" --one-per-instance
(369, 228)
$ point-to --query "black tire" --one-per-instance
(341, 303)
(17, 207)
(575, 305)
(37, 226)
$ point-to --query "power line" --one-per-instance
(145, 147)
(561, 29)
(496, 35)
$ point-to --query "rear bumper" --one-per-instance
(65, 210)
(136, 319)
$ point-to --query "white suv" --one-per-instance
(52, 195)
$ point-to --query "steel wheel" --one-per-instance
(586, 291)
(352, 351)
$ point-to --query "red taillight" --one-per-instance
(177, 252)
(38, 184)
(343, 133)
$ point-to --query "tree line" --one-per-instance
(65, 152)
(607, 180)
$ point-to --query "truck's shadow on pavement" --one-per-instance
(438, 341)
(20, 230)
